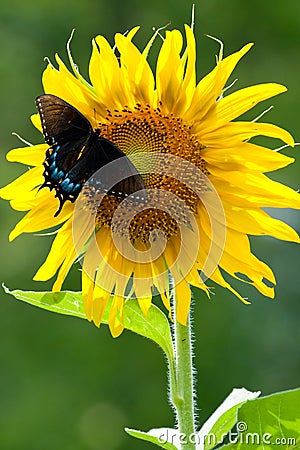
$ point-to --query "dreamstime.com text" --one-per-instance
(240, 436)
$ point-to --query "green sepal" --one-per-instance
(75, 67)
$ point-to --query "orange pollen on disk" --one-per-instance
(143, 130)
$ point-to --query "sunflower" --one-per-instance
(205, 181)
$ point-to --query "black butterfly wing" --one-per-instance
(98, 153)
(67, 133)
(76, 152)
(61, 122)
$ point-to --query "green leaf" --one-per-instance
(65, 302)
(267, 423)
(155, 326)
(224, 418)
(151, 438)
(223, 425)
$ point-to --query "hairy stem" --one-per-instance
(181, 384)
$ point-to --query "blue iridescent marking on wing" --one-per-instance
(54, 154)
(67, 185)
(54, 172)
(76, 188)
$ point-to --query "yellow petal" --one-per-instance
(100, 299)
(143, 282)
(170, 257)
(166, 301)
(255, 188)
(160, 275)
(116, 319)
(194, 279)
(106, 82)
(242, 265)
(41, 217)
(145, 304)
(218, 278)
(185, 246)
(31, 156)
(87, 284)
(66, 86)
(23, 186)
(236, 104)
(106, 276)
(254, 276)
(183, 301)
(136, 70)
(32, 199)
(64, 269)
(210, 87)
(258, 222)
(189, 81)
(169, 71)
(235, 132)
(36, 121)
(245, 157)
(60, 248)
(185, 94)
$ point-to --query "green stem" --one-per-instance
(181, 384)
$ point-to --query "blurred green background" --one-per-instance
(64, 384)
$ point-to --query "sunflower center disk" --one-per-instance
(149, 132)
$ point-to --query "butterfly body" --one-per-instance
(76, 152)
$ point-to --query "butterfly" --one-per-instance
(76, 151)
